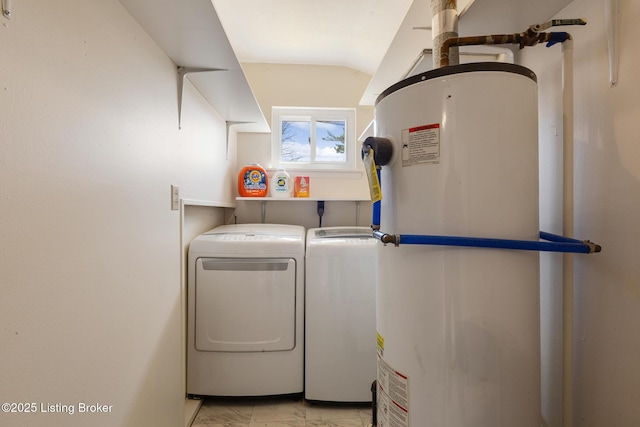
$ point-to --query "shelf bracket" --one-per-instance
(182, 72)
(612, 14)
(6, 8)
(229, 124)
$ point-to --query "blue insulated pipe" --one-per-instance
(554, 243)
(551, 243)
(382, 152)
(556, 238)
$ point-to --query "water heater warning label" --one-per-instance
(421, 145)
(393, 396)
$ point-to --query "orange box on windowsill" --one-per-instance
(301, 188)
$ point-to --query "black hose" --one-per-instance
(320, 211)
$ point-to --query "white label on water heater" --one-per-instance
(421, 145)
(393, 396)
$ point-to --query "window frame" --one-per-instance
(312, 115)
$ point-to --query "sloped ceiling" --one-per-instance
(350, 33)
(372, 36)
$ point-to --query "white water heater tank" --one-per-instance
(458, 328)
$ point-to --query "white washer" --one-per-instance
(245, 327)
(340, 320)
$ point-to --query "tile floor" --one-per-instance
(289, 411)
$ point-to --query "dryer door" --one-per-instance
(245, 304)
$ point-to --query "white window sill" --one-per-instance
(304, 199)
(320, 173)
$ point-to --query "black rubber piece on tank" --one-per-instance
(458, 69)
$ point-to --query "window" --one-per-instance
(313, 138)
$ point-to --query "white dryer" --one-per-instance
(340, 307)
(245, 325)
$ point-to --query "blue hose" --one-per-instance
(553, 243)
(558, 243)
(557, 238)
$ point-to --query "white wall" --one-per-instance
(90, 252)
(308, 86)
(607, 208)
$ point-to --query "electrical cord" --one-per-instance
(320, 211)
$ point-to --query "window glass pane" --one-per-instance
(296, 141)
(330, 141)
(313, 138)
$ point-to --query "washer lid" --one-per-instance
(340, 241)
(339, 232)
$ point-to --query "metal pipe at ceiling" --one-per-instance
(567, 230)
(444, 25)
(522, 39)
(448, 48)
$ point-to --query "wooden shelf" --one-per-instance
(302, 199)
(207, 203)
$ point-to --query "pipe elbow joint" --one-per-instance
(387, 238)
(593, 247)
